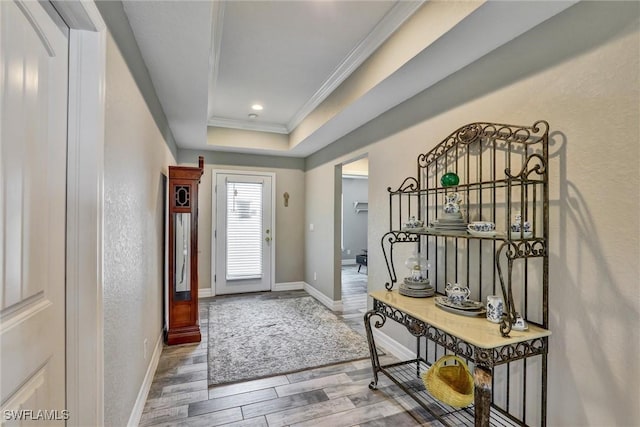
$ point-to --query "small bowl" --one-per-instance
(482, 233)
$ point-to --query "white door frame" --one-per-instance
(214, 173)
(85, 169)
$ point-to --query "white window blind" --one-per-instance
(244, 230)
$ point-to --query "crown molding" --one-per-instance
(396, 16)
(247, 125)
(380, 33)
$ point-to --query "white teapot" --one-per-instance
(457, 293)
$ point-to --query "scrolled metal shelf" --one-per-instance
(499, 183)
(390, 238)
(487, 357)
(525, 247)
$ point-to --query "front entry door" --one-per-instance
(243, 232)
(33, 121)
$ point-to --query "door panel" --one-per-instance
(244, 233)
(34, 55)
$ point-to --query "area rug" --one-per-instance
(254, 339)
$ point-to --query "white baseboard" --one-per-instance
(328, 302)
(394, 347)
(206, 292)
(351, 261)
(288, 286)
(138, 407)
(285, 286)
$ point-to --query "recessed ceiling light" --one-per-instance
(256, 107)
(253, 115)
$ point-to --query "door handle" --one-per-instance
(268, 238)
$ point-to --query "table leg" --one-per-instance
(482, 395)
(373, 351)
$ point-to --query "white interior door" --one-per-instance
(33, 111)
(243, 232)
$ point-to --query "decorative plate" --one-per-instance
(467, 305)
(417, 293)
(410, 281)
(470, 313)
(418, 286)
(482, 233)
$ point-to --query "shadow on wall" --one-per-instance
(556, 41)
(576, 316)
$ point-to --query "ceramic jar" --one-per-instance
(518, 225)
(495, 308)
(452, 203)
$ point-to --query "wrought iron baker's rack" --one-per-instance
(503, 171)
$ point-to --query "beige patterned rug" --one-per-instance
(261, 338)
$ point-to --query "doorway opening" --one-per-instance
(354, 230)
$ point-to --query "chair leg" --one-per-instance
(359, 267)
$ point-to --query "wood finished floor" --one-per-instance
(332, 396)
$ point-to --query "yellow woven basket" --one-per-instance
(451, 384)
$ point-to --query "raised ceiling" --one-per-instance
(284, 55)
(319, 68)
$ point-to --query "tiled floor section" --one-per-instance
(331, 396)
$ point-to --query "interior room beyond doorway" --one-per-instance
(355, 208)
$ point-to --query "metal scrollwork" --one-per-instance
(376, 312)
(450, 342)
(539, 168)
(373, 353)
(514, 250)
(409, 185)
(418, 328)
(473, 132)
(484, 357)
(387, 242)
(526, 249)
(510, 311)
(521, 350)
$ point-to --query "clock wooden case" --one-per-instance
(182, 243)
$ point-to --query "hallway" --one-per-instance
(354, 296)
(336, 395)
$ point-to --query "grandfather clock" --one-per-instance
(182, 293)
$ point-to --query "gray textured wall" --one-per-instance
(579, 70)
(136, 157)
(354, 225)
